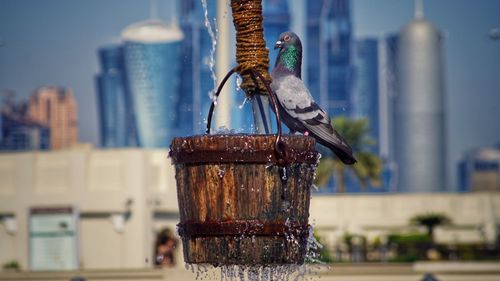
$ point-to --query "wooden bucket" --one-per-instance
(238, 203)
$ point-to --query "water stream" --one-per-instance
(213, 39)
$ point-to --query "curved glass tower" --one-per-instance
(151, 52)
(111, 98)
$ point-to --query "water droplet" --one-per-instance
(221, 173)
(213, 39)
(243, 103)
(238, 83)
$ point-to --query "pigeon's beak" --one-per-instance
(278, 45)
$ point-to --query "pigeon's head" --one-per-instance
(288, 39)
(289, 58)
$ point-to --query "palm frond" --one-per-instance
(369, 167)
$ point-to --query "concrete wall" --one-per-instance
(475, 216)
(107, 183)
(101, 184)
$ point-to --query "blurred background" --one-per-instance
(92, 92)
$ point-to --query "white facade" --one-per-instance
(138, 185)
(104, 185)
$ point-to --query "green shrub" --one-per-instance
(11, 265)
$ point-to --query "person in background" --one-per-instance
(164, 248)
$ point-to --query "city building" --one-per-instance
(480, 170)
(419, 108)
(18, 133)
(388, 86)
(151, 54)
(276, 21)
(328, 54)
(116, 123)
(365, 94)
(120, 198)
(56, 108)
(195, 77)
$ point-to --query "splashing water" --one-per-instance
(238, 83)
(289, 272)
(213, 39)
(292, 272)
(243, 103)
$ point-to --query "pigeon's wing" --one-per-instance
(295, 98)
(298, 102)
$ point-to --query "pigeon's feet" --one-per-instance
(306, 133)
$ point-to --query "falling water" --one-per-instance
(213, 39)
(243, 103)
(289, 272)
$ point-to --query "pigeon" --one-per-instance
(296, 106)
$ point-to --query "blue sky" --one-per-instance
(54, 42)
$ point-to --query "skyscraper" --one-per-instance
(56, 108)
(365, 94)
(19, 133)
(115, 122)
(419, 108)
(276, 21)
(196, 82)
(152, 52)
(329, 68)
(388, 92)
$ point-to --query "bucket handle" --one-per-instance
(278, 144)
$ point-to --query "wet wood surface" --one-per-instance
(244, 213)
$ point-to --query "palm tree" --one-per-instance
(430, 221)
(368, 169)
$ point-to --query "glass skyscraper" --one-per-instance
(365, 94)
(276, 21)
(329, 67)
(152, 51)
(196, 82)
(114, 115)
(19, 133)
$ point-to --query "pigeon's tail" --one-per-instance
(326, 135)
(343, 152)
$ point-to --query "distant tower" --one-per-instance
(276, 21)
(152, 59)
(18, 133)
(419, 107)
(57, 109)
(365, 94)
(196, 81)
(111, 96)
(328, 54)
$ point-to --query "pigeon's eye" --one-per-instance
(286, 38)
